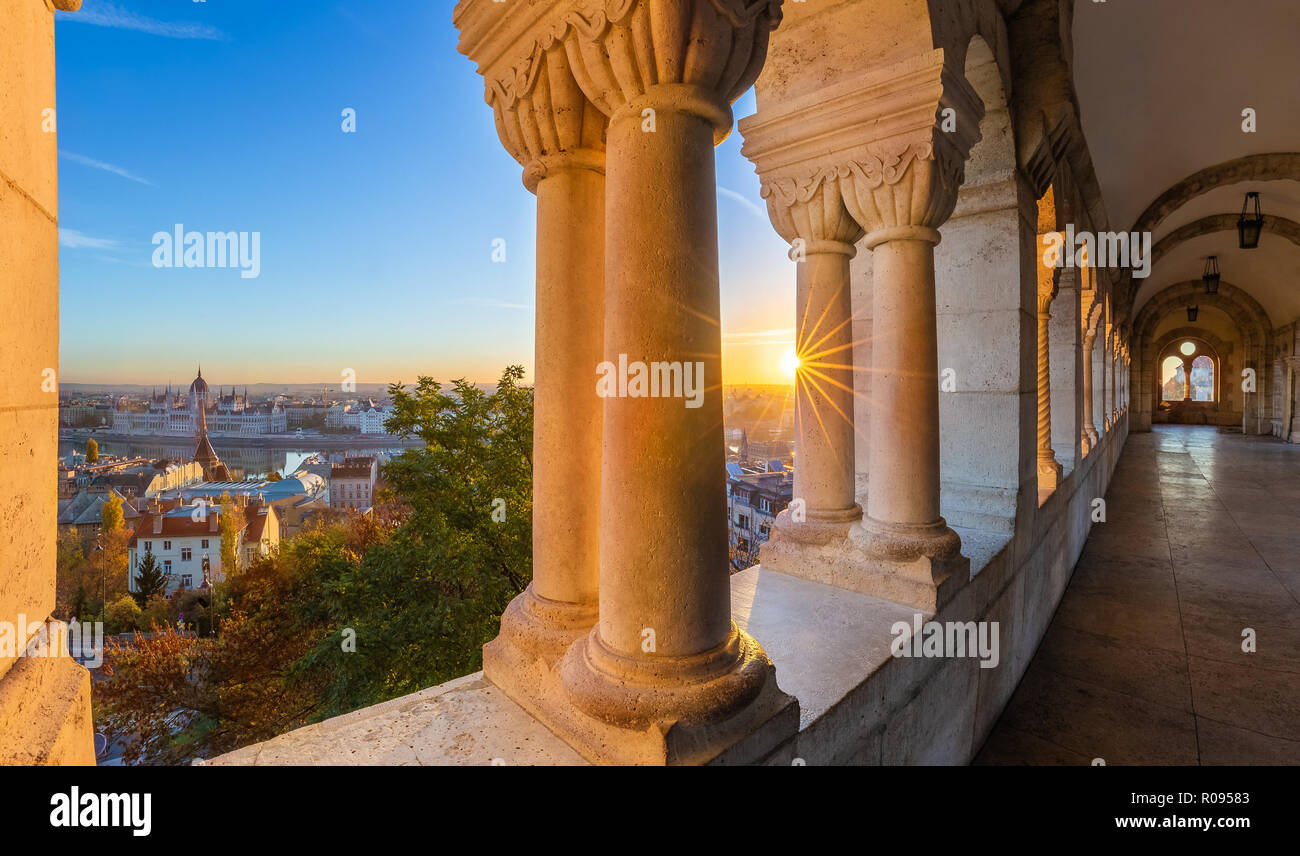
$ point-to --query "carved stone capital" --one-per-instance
(696, 56)
(811, 208)
(542, 116)
(894, 139)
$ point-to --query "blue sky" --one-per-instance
(376, 246)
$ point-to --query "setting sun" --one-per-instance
(789, 363)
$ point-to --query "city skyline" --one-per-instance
(373, 254)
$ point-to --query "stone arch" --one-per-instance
(1246, 314)
(1279, 226)
(1220, 351)
(1276, 166)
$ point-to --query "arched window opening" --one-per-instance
(1203, 379)
(1172, 383)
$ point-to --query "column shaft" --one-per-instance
(567, 417)
(663, 554)
(905, 385)
(824, 474)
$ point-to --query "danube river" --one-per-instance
(245, 461)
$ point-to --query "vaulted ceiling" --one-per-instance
(1162, 85)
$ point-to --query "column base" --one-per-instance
(721, 707)
(916, 565)
(535, 633)
(1049, 473)
(45, 713)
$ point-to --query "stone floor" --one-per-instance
(1143, 661)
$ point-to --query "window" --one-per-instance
(1171, 379)
(204, 544)
(742, 520)
(765, 530)
(185, 554)
(187, 580)
(1203, 379)
(148, 546)
(766, 504)
(167, 545)
(167, 566)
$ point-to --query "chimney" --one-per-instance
(157, 524)
(214, 520)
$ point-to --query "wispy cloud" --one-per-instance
(783, 336)
(745, 201)
(102, 13)
(106, 167)
(74, 240)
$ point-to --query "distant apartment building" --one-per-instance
(177, 414)
(755, 496)
(352, 483)
(84, 414)
(361, 417)
(305, 415)
(185, 540)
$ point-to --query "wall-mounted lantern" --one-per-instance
(1192, 312)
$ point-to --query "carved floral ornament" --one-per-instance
(919, 182)
(590, 24)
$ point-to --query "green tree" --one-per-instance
(232, 529)
(92, 451)
(423, 602)
(123, 615)
(149, 580)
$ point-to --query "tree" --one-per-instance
(92, 451)
(110, 513)
(149, 580)
(122, 615)
(275, 477)
(232, 529)
(422, 602)
(77, 580)
(113, 540)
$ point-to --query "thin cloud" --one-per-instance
(761, 337)
(744, 200)
(74, 240)
(105, 14)
(106, 167)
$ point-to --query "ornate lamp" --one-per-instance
(1211, 275)
(1249, 226)
(1192, 312)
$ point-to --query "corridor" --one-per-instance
(1143, 662)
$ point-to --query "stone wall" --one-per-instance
(44, 702)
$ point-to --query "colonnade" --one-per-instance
(624, 643)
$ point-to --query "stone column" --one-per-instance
(1049, 470)
(822, 237)
(1187, 378)
(903, 537)
(665, 676)
(1114, 378)
(558, 135)
(1090, 436)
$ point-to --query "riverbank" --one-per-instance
(322, 442)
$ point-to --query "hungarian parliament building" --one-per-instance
(177, 414)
